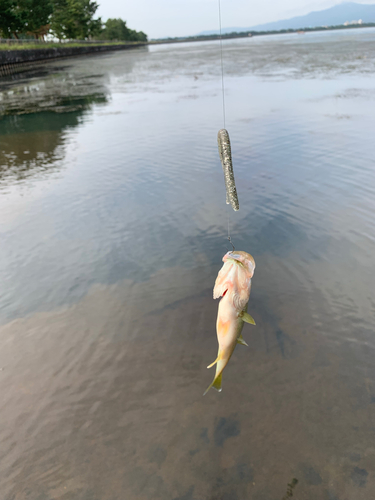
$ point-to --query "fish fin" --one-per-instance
(216, 384)
(247, 318)
(214, 363)
(220, 288)
(222, 283)
(241, 341)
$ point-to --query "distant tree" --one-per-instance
(60, 19)
(115, 29)
(10, 21)
(66, 19)
(35, 14)
(17, 17)
(75, 19)
(138, 36)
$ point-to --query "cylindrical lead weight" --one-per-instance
(226, 161)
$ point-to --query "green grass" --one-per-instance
(56, 45)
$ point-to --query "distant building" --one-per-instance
(348, 23)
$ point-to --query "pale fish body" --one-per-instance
(233, 284)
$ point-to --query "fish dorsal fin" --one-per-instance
(241, 341)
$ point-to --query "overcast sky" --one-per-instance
(163, 18)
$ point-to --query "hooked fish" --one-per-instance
(233, 284)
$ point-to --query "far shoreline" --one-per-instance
(251, 34)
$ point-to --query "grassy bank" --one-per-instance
(57, 45)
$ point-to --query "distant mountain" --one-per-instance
(339, 14)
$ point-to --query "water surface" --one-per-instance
(113, 224)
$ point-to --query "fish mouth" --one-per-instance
(241, 258)
(236, 261)
(235, 256)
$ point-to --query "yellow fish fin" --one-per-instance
(247, 318)
(241, 341)
(214, 363)
(216, 384)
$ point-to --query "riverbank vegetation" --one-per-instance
(62, 19)
(35, 45)
(116, 29)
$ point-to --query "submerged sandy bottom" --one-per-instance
(116, 386)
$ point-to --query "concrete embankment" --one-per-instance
(14, 61)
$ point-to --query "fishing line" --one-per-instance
(222, 65)
(223, 97)
(224, 144)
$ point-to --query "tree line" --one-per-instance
(64, 19)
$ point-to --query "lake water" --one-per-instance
(113, 224)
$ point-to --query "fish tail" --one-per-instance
(216, 384)
(220, 365)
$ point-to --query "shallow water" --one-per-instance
(113, 224)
